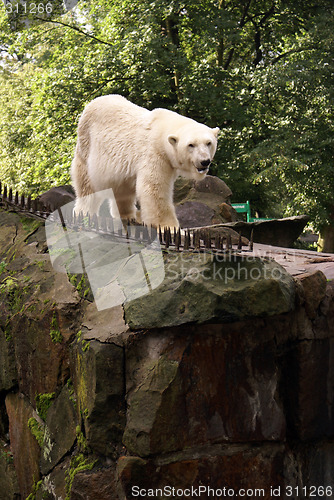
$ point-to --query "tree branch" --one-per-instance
(76, 29)
(285, 54)
(257, 41)
(241, 25)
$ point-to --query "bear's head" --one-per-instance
(192, 149)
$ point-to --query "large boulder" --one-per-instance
(202, 203)
(205, 287)
(56, 197)
(277, 232)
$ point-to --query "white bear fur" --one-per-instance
(139, 154)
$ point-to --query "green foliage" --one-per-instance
(7, 456)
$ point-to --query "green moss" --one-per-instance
(81, 284)
(8, 284)
(70, 388)
(79, 463)
(81, 440)
(41, 264)
(30, 225)
(13, 293)
(35, 489)
(73, 279)
(85, 345)
(8, 331)
(55, 332)
(43, 403)
(32, 307)
(37, 430)
(3, 266)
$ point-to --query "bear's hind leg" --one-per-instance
(86, 200)
(88, 204)
(125, 199)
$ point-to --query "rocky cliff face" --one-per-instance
(207, 382)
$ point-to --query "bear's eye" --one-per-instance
(191, 145)
(209, 143)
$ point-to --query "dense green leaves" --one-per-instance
(260, 70)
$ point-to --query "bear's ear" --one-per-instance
(216, 131)
(172, 139)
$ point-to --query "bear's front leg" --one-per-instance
(156, 201)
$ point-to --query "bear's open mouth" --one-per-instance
(202, 170)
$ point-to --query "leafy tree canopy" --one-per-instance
(261, 70)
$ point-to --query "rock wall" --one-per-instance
(209, 389)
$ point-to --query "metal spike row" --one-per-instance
(196, 238)
(137, 232)
(177, 239)
(208, 239)
(221, 242)
(239, 242)
(110, 225)
(186, 242)
(34, 205)
(70, 217)
(167, 237)
(95, 222)
(103, 223)
(79, 218)
(251, 240)
(146, 235)
(120, 229)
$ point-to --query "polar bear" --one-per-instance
(139, 154)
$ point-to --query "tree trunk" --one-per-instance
(326, 239)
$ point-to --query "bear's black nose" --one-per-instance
(205, 163)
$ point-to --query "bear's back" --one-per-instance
(114, 109)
